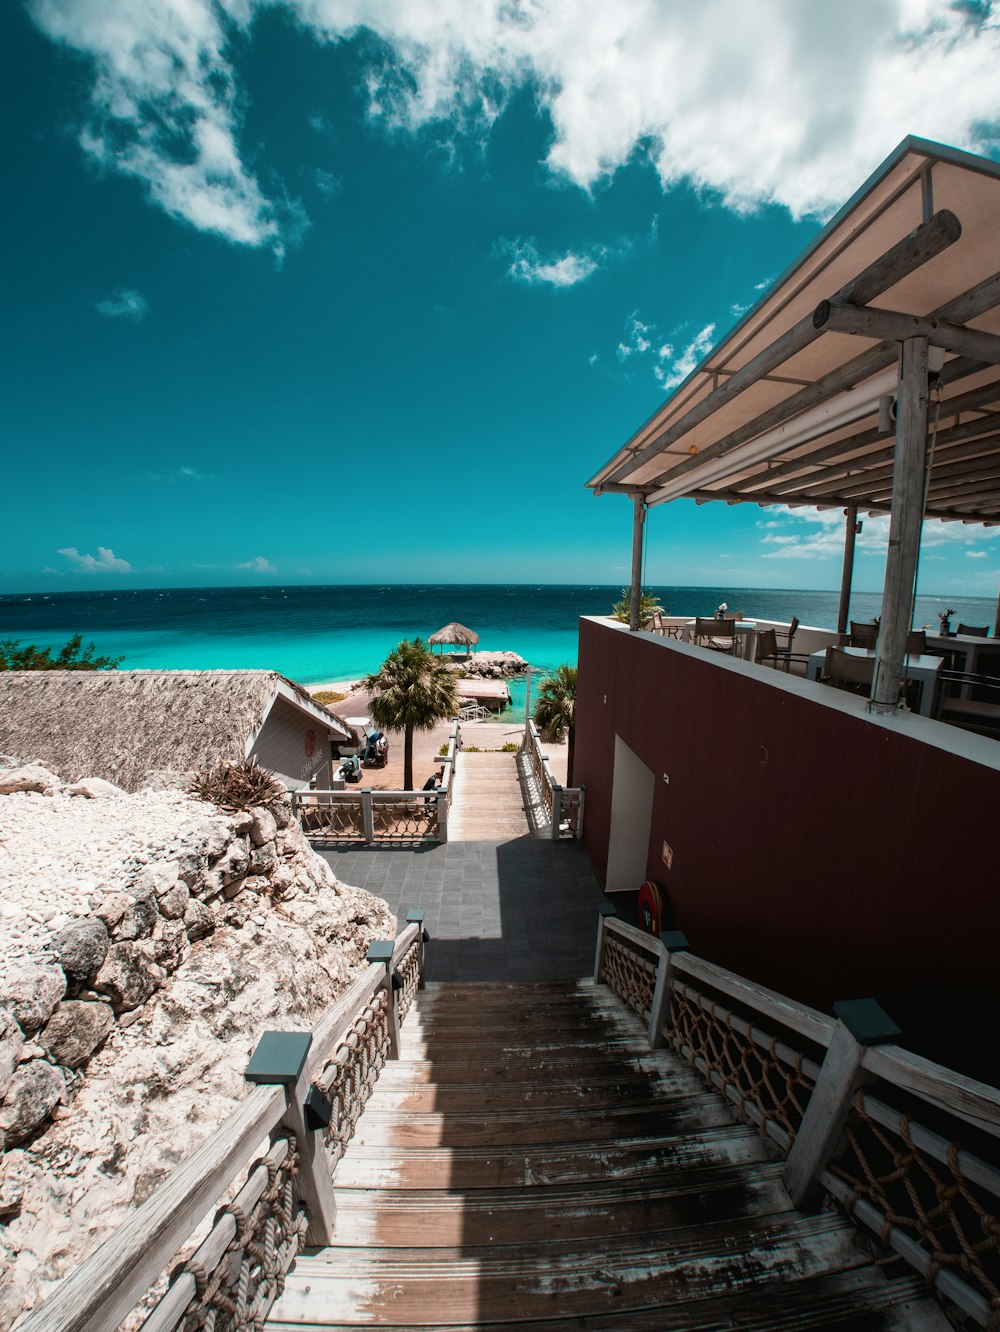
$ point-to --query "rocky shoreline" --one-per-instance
(146, 940)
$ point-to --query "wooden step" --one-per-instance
(442, 1286)
(435, 1218)
(858, 1300)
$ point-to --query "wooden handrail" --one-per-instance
(115, 1277)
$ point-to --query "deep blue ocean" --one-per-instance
(314, 634)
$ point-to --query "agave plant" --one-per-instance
(237, 785)
(649, 604)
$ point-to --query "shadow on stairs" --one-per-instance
(529, 1160)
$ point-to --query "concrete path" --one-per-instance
(496, 911)
(488, 804)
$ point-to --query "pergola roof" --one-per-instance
(794, 406)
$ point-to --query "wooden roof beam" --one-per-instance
(905, 257)
(839, 317)
(945, 461)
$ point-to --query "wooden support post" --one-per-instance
(638, 519)
(416, 917)
(282, 1057)
(367, 816)
(847, 574)
(605, 911)
(905, 525)
(442, 816)
(673, 941)
(380, 950)
(861, 1023)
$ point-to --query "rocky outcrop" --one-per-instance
(490, 666)
(146, 940)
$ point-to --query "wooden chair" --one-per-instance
(765, 648)
(976, 630)
(719, 635)
(655, 624)
(846, 671)
(863, 635)
(730, 615)
(787, 634)
(916, 643)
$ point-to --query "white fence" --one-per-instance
(563, 804)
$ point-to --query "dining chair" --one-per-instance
(719, 635)
(655, 624)
(976, 630)
(731, 615)
(787, 634)
(846, 671)
(862, 635)
(916, 643)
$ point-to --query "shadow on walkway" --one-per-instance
(495, 911)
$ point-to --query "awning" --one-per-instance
(796, 405)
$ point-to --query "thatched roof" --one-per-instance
(454, 634)
(122, 725)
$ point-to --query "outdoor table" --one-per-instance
(967, 651)
(922, 669)
(746, 636)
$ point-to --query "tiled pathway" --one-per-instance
(524, 909)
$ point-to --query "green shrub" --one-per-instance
(328, 696)
(509, 748)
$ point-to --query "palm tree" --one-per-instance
(555, 711)
(413, 690)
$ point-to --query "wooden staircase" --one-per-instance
(528, 1160)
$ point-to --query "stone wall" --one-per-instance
(72, 976)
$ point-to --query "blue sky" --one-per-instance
(325, 291)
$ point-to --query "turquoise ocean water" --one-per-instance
(314, 634)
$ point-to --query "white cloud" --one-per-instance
(670, 366)
(565, 271)
(105, 561)
(819, 534)
(259, 565)
(775, 101)
(124, 305)
(976, 554)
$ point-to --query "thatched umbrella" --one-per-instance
(454, 635)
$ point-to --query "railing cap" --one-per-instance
(867, 1021)
(280, 1056)
(415, 915)
(607, 909)
(675, 941)
(380, 950)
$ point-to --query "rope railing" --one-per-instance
(909, 1149)
(563, 804)
(181, 1271)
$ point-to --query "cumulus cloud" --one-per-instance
(777, 101)
(259, 564)
(124, 305)
(565, 271)
(105, 561)
(815, 534)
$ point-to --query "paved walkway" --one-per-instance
(524, 909)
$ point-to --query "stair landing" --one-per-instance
(528, 1159)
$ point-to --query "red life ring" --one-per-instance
(650, 907)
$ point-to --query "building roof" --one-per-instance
(122, 725)
(794, 405)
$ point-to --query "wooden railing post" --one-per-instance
(381, 950)
(861, 1022)
(579, 812)
(367, 815)
(604, 911)
(282, 1057)
(442, 816)
(556, 811)
(416, 917)
(673, 941)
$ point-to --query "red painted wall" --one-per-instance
(818, 853)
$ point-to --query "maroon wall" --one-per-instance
(819, 853)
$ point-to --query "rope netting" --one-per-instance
(237, 1291)
(409, 971)
(630, 974)
(767, 1081)
(349, 1078)
(333, 819)
(931, 1201)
